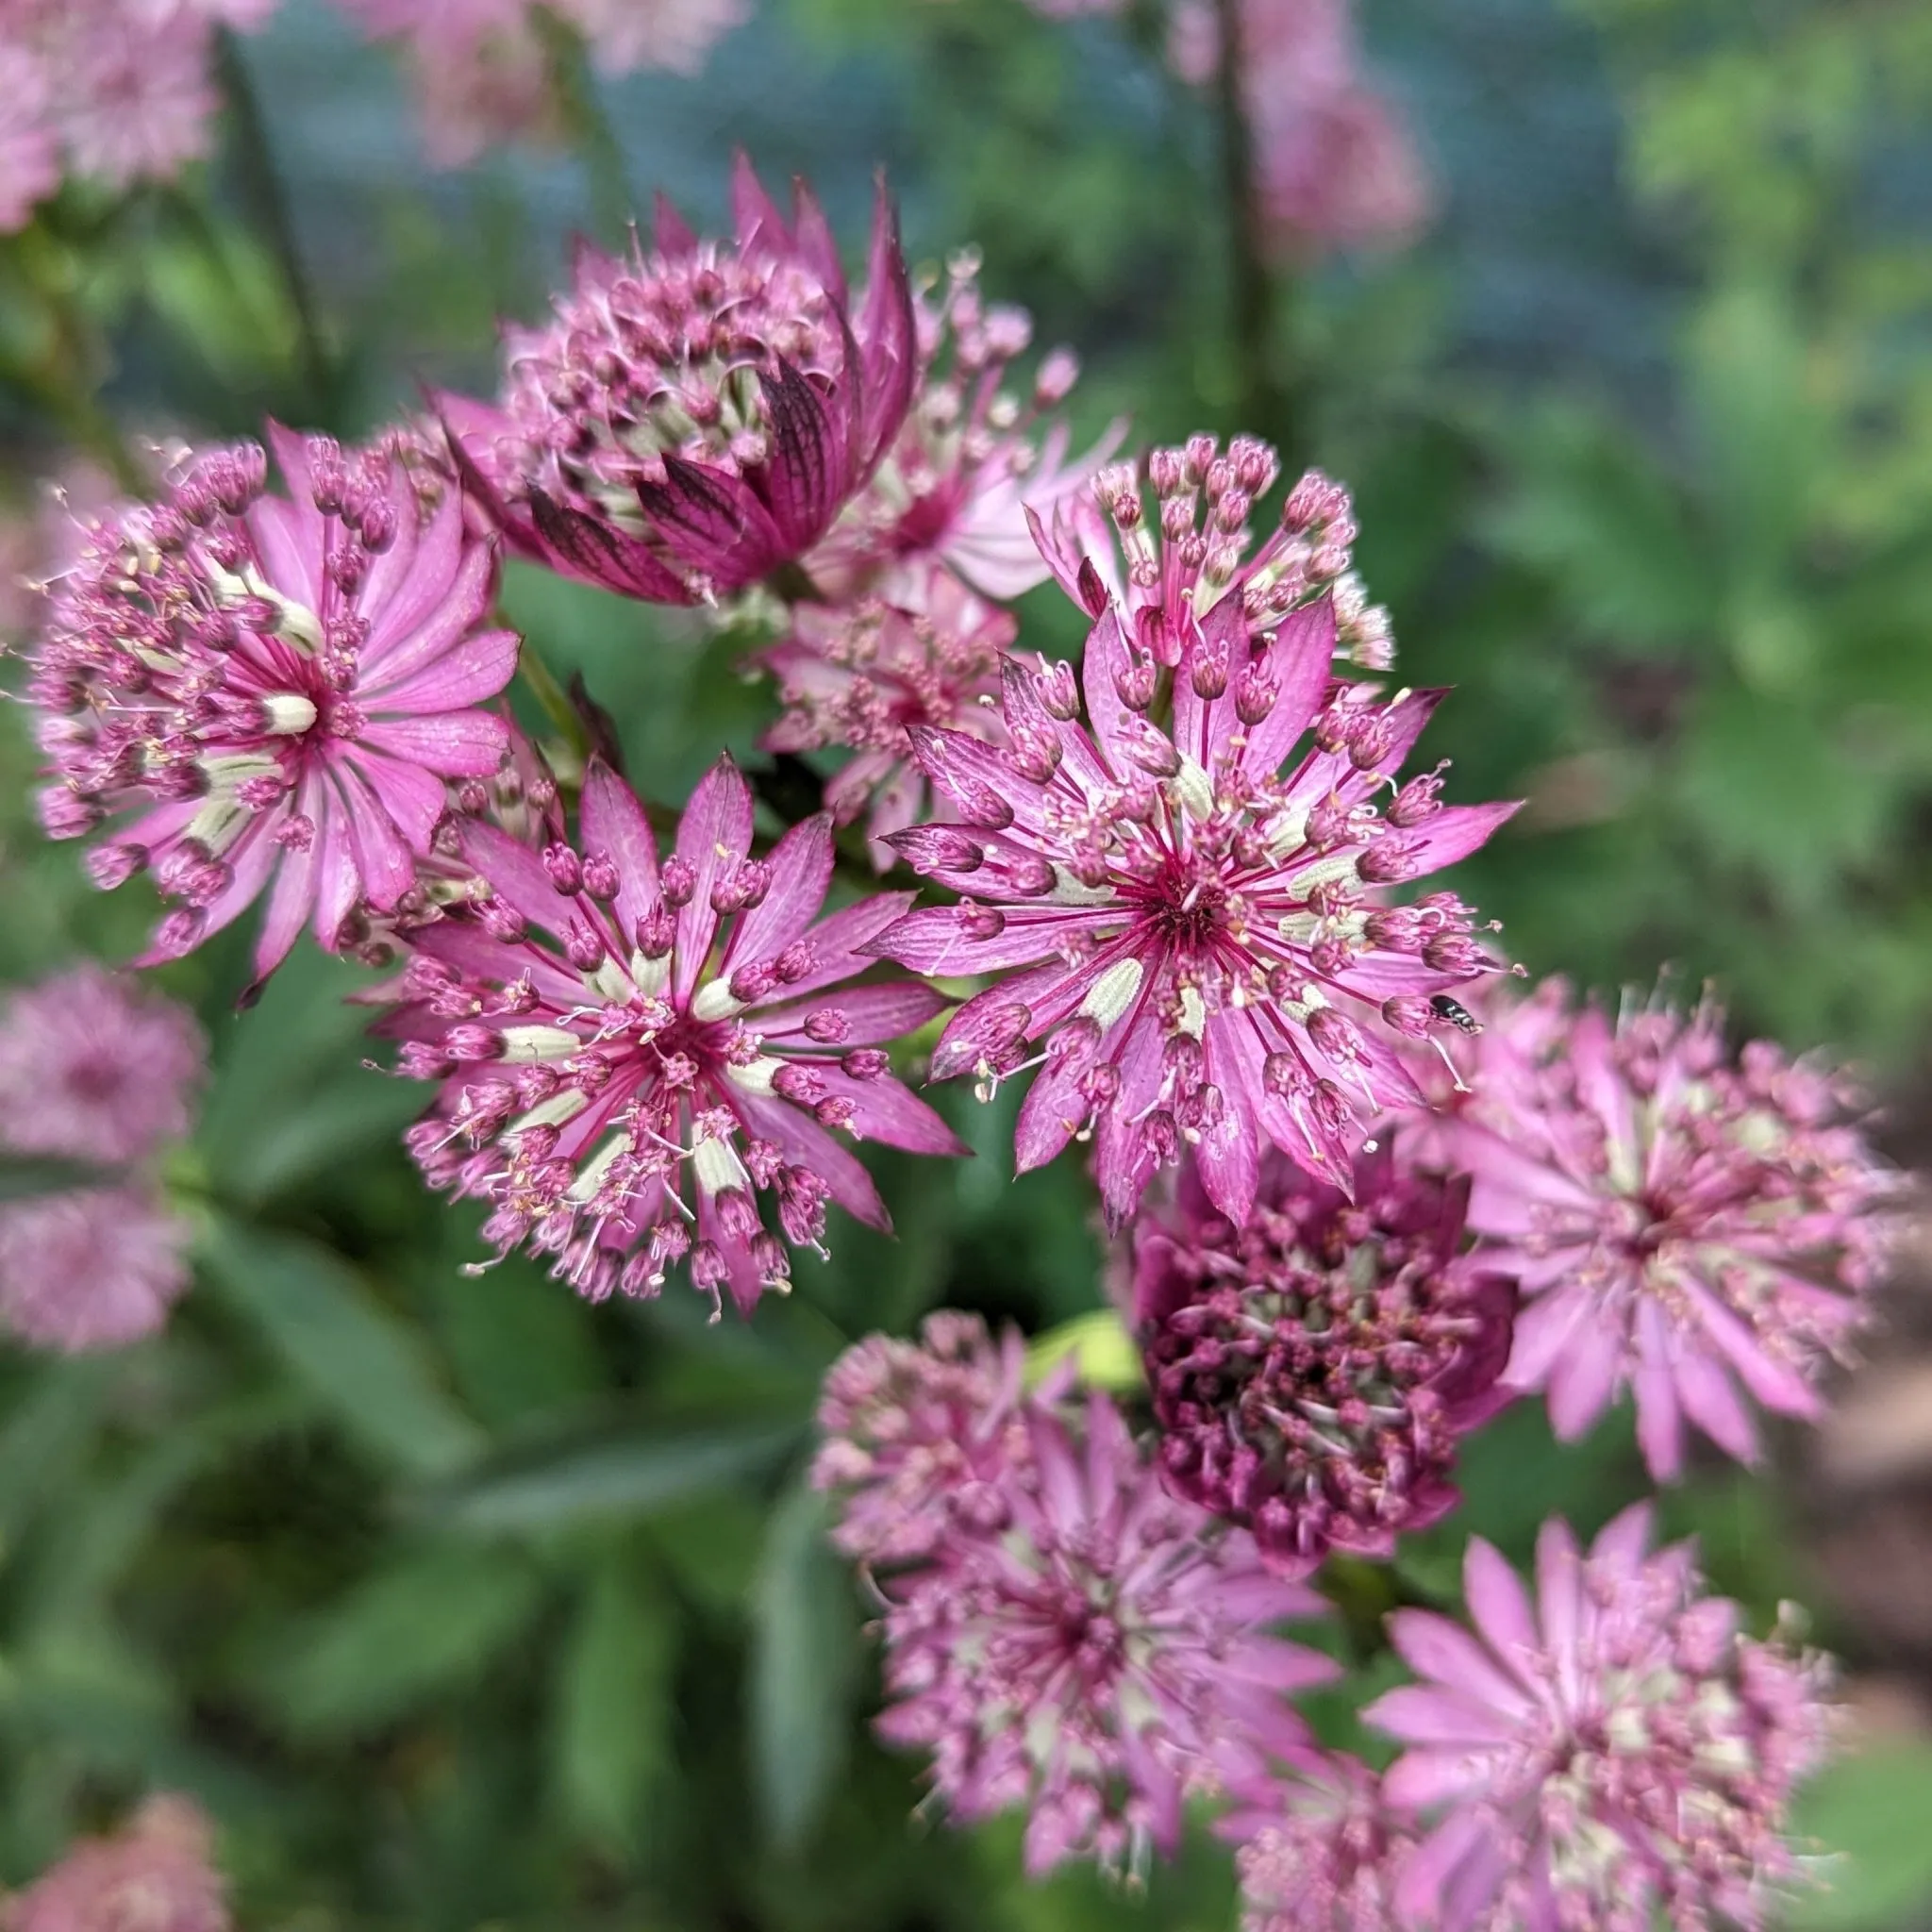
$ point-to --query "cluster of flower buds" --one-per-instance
(1364, 1193)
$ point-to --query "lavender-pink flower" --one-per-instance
(1692, 1229)
(1085, 1659)
(864, 675)
(1615, 1750)
(91, 1268)
(698, 413)
(973, 463)
(95, 1068)
(155, 1875)
(259, 694)
(1193, 929)
(1315, 1369)
(633, 1055)
(919, 1433)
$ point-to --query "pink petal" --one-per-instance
(472, 672)
(1660, 1421)
(1432, 1646)
(437, 622)
(1303, 658)
(515, 874)
(1710, 1401)
(1498, 1605)
(888, 1112)
(1582, 1382)
(800, 866)
(872, 1014)
(614, 823)
(713, 837)
(1420, 1716)
(455, 743)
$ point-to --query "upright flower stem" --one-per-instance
(1263, 400)
(597, 142)
(268, 206)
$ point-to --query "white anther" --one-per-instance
(758, 1076)
(287, 714)
(523, 1045)
(558, 1110)
(592, 1177)
(1113, 994)
(715, 1001)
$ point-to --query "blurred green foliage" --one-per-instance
(465, 1605)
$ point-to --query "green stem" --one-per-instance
(1264, 405)
(268, 206)
(582, 105)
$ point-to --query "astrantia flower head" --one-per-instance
(865, 675)
(1196, 934)
(1320, 1848)
(267, 693)
(154, 1876)
(1166, 566)
(1314, 1369)
(918, 1433)
(1685, 1226)
(959, 479)
(698, 414)
(93, 1068)
(1615, 1751)
(1085, 1659)
(640, 1060)
(91, 1268)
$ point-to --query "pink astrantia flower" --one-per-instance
(1616, 1751)
(1084, 1658)
(1167, 570)
(697, 415)
(30, 152)
(155, 1876)
(1320, 1848)
(1684, 1226)
(91, 1268)
(919, 1433)
(1194, 933)
(865, 675)
(1314, 1370)
(959, 481)
(93, 1068)
(266, 695)
(633, 1053)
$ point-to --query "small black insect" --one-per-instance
(1457, 1015)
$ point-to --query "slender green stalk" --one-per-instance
(268, 206)
(1252, 294)
(589, 128)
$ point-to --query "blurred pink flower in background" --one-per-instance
(482, 71)
(1333, 165)
(96, 1067)
(155, 1875)
(91, 1268)
(1612, 1753)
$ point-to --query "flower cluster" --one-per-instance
(100, 1073)
(1360, 1197)
(1695, 1229)
(1616, 1749)
(633, 1052)
(1314, 1367)
(155, 1875)
(1062, 1632)
(256, 695)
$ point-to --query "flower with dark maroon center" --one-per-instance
(1314, 1371)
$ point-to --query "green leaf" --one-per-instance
(629, 1475)
(1099, 1346)
(22, 1177)
(1872, 1811)
(615, 1704)
(804, 1671)
(49, 1433)
(335, 1336)
(429, 1622)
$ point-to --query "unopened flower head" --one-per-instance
(1695, 1228)
(636, 1056)
(155, 1876)
(1319, 1849)
(1315, 1369)
(91, 1268)
(863, 675)
(265, 695)
(1614, 1752)
(1168, 563)
(1083, 1660)
(95, 1068)
(1196, 935)
(919, 1433)
(976, 453)
(697, 413)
